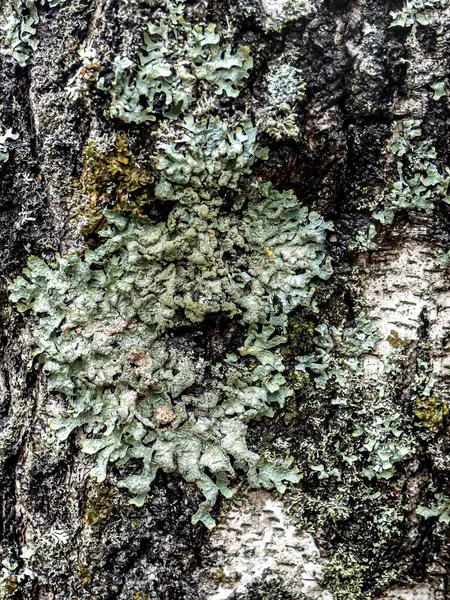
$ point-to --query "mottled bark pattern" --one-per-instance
(89, 542)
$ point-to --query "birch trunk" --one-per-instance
(370, 67)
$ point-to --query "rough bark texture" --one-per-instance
(365, 76)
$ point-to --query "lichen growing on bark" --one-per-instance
(108, 322)
(420, 182)
(336, 155)
(104, 334)
(21, 40)
(360, 449)
(285, 87)
(175, 59)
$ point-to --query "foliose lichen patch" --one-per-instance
(104, 334)
(111, 323)
(20, 40)
(178, 61)
(178, 331)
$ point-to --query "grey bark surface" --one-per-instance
(89, 542)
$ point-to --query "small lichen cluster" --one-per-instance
(440, 89)
(377, 442)
(86, 78)
(420, 183)
(344, 574)
(439, 509)
(20, 40)
(178, 64)
(199, 157)
(356, 446)
(290, 12)
(285, 88)
(4, 142)
(12, 576)
(338, 351)
(413, 13)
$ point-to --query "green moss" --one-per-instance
(84, 575)
(140, 596)
(396, 341)
(301, 335)
(113, 180)
(99, 506)
(431, 411)
(221, 578)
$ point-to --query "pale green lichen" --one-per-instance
(443, 260)
(364, 241)
(176, 60)
(290, 12)
(358, 446)
(440, 509)
(440, 89)
(20, 40)
(339, 361)
(285, 88)
(420, 183)
(104, 336)
(4, 143)
(198, 157)
(338, 350)
(87, 76)
(413, 13)
(108, 322)
(12, 576)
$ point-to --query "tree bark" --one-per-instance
(368, 73)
